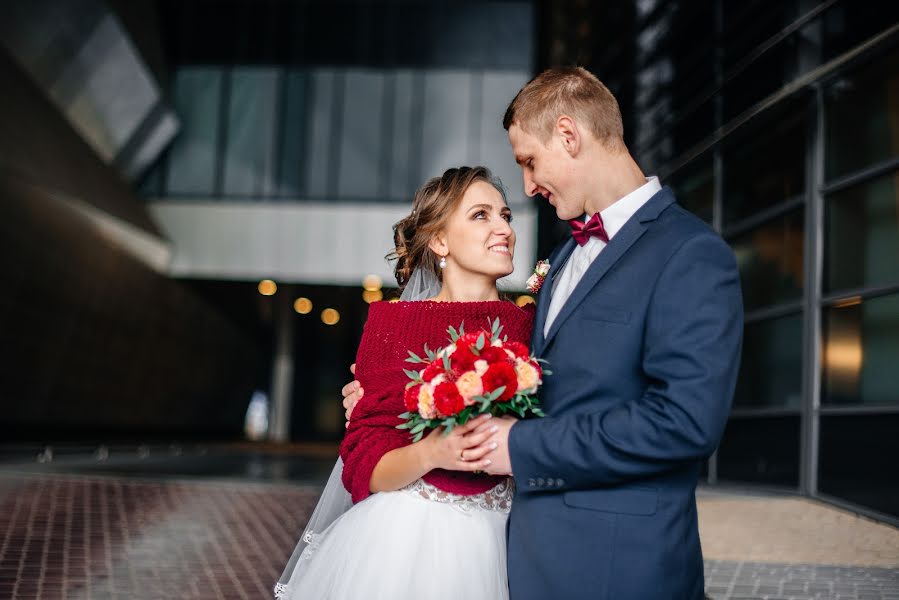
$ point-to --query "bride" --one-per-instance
(425, 522)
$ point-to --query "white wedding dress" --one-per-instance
(416, 543)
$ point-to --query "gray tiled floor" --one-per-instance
(727, 580)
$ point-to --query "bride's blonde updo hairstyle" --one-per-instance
(434, 202)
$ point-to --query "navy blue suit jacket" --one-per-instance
(644, 358)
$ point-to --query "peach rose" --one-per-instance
(470, 385)
(528, 377)
(426, 406)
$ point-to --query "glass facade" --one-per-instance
(286, 134)
(780, 127)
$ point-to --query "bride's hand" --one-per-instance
(456, 451)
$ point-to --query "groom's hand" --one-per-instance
(352, 393)
(500, 461)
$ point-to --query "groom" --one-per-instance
(640, 319)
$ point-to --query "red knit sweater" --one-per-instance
(391, 331)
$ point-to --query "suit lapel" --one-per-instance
(632, 231)
(558, 260)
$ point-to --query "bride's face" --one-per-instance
(478, 237)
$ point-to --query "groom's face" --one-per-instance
(547, 171)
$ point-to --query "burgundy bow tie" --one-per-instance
(581, 232)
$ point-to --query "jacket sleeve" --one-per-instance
(691, 355)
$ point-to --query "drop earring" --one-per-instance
(442, 262)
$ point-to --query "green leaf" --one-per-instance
(417, 437)
(538, 412)
(413, 375)
(480, 343)
(414, 358)
(462, 329)
(446, 363)
(419, 427)
(404, 426)
(407, 415)
(431, 354)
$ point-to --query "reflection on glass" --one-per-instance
(748, 25)
(762, 450)
(847, 24)
(771, 364)
(857, 454)
(861, 116)
(764, 169)
(695, 191)
(764, 76)
(293, 132)
(197, 92)
(249, 156)
(862, 244)
(770, 259)
(860, 352)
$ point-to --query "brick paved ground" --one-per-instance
(81, 537)
(90, 536)
(770, 547)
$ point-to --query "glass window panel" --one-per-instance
(766, 168)
(770, 259)
(403, 176)
(446, 127)
(765, 75)
(695, 190)
(197, 92)
(858, 460)
(761, 450)
(296, 84)
(249, 155)
(319, 134)
(862, 244)
(361, 136)
(861, 352)
(499, 87)
(861, 117)
(771, 364)
(848, 24)
(751, 23)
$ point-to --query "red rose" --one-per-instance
(410, 398)
(536, 365)
(432, 370)
(520, 350)
(448, 400)
(498, 375)
(470, 339)
(462, 359)
(492, 354)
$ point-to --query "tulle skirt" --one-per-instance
(415, 543)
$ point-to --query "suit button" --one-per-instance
(541, 482)
(531, 483)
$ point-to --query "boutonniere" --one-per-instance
(535, 281)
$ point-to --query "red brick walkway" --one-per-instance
(80, 537)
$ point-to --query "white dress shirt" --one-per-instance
(613, 218)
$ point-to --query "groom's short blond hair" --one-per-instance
(572, 91)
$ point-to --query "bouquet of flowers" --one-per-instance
(475, 374)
